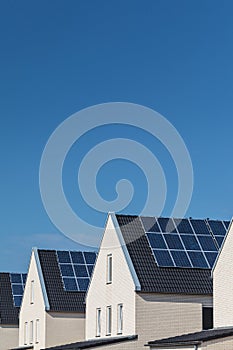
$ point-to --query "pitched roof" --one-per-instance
(87, 344)
(157, 279)
(8, 312)
(59, 299)
(194, 338)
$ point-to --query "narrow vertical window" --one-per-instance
(109, 320)
(109, 268)
(31, 332)
(25, 336)
(98, 322)
(37, 331)
(119, 318)
(32, 293)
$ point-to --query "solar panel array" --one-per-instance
(184, 243)
(18, 281)
(76, 269)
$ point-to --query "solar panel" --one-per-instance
(167, 225)
(156, 240)
(183, 225)
(180, 258)
(173, 241)
(76, 269)
(163, 258)
(193, 243)
(200, 227)
(18, 281)
(217, 227)
(150, 224)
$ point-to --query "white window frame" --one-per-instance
(109, 320)
(98, 322)
(37, 335)
(31, 332)
(119, 318)
(32, 292)
(109, 268)
(25, 333)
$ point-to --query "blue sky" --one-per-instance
(57, 58)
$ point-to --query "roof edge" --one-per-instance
(41, 278)
(125, 251)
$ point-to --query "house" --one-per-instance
(11, 291)
(53, 308)
(220, 337)
(223, 288)
(152, 278)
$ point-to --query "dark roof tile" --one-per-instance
(59, 299)
(9, 314)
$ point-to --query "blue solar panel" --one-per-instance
(76, 269)
(67, 270)
(83, 283)
(17, 300)
(80, 271)
(163, 258)
(77, 257)
(180, 258)
(207, 243)
(200, 227)
(70, 284)
(211, 257)
(156, 240)
(193, 245)
(217, 227)
(198, 259)
(226, 223)
(90, 257)
(183, 226)
(167, 225)
(190, 242)
(63, 257)
(173, 241)
(219, 239)
(90, 269)
(150, 224)
(17, 286)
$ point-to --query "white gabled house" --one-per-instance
(222, 286)
(53, 308)
(152, 278)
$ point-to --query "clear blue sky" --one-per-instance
(57, 57)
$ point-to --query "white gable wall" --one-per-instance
(120, 291)
(32, 311)
(223, 285)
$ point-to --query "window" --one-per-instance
(207, 317)
(32, 293)
(119, 318)
(31, 332)
(109, 268)
(98, 322)
(25, 336)
(37, 331)
(109, 321)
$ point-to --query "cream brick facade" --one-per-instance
(222, 284)
(161, 316)
(53, 328)
(9, 337)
